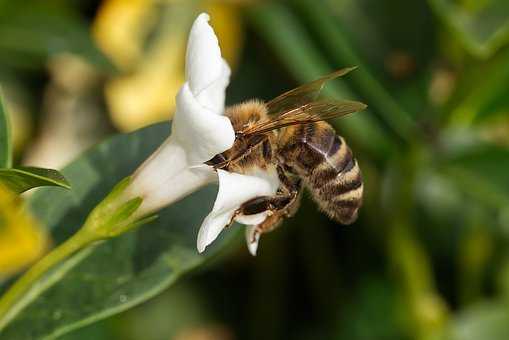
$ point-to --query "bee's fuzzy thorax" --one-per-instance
(246, 113)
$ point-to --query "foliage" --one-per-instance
(21, 179)
(111, 267)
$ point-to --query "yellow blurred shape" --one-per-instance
(431, 312)
(226, 20)
(146, 40)
(148, 94)
(15, 101)
(22, 240)
(120, 27)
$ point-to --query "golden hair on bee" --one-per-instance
(248, 155)
(247, 113)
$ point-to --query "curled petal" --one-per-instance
(199, 125)
(206, 71)
(201, 133)
(213, 96)
(234, 190)
(199, 130)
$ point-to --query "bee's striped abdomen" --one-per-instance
(328, 168)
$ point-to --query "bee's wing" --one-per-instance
(305, 114)
(303, 94)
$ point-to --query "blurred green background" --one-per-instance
(428, 256)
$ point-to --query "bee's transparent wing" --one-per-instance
(305, 114)
(303, 94)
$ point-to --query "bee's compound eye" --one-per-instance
(217, 159)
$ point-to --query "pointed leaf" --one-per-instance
(25, 178)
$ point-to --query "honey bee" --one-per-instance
(288, 137)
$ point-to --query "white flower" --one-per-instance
(199, 132)
(235, 189)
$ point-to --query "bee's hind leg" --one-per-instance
(291, 188)
(252, 207)
(280, 206)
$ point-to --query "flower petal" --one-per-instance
(165, 177)
(234, 190)
(206, 71)
(201, 133)
(252, 239)
(199, 130)
(198, 124)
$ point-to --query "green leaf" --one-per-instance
(5, 136)
(481, 27)
(25, 178)
(119, 273)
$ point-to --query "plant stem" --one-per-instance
(12, 303)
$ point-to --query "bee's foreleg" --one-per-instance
(250, 144)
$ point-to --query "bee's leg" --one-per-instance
(218, 161)
(283, 207)
(291, 185)
(284, 204)
(250, 144)
(256, 205)
(252, 207)
(278, 206)
(267, 203)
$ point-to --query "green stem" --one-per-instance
(113, 216)
(12, 301)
